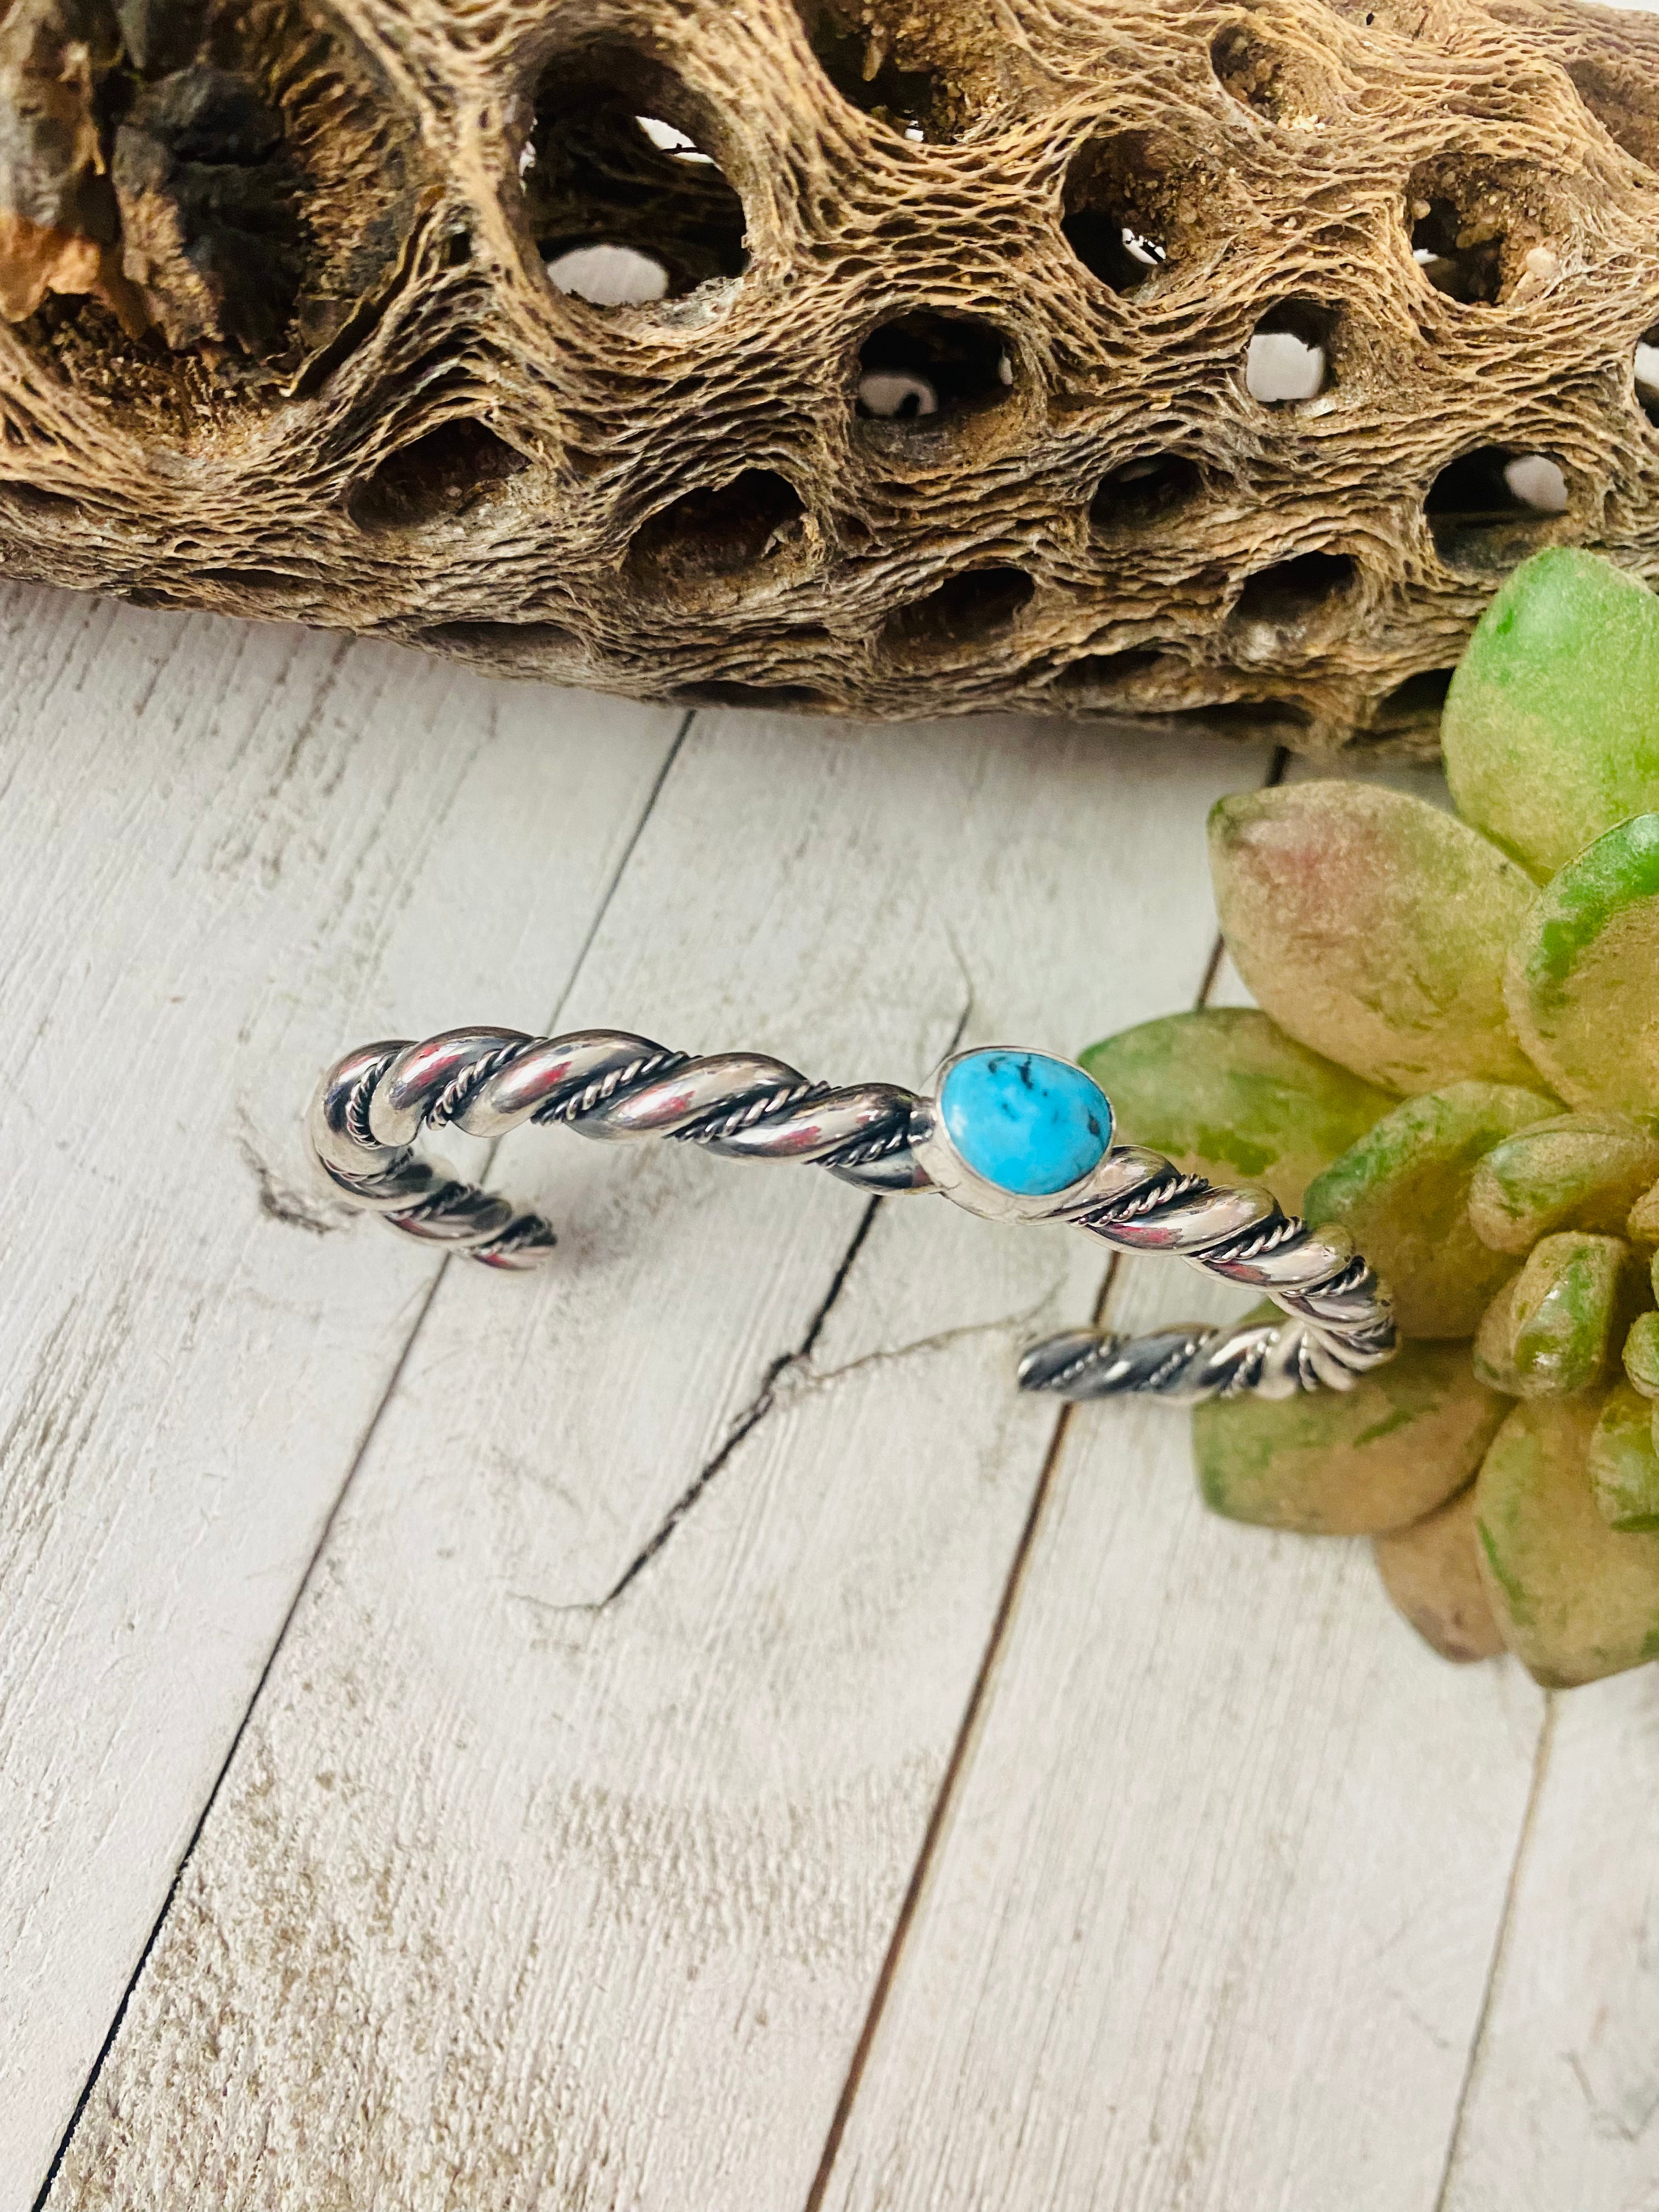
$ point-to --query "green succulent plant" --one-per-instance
(1455, 1055)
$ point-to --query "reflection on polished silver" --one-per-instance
(1007, 1134)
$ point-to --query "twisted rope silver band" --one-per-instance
(371, 1108)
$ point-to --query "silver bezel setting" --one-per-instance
(946, 1169)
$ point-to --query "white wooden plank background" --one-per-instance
(947, 1813)
(222, 850)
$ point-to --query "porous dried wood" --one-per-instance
(953, 397)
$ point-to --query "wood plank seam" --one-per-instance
(287, 1206)
(1500, 1942)
(1276, 769)
(252, 1707)
(953, 1766)
(976, 1698)
(692, 1776)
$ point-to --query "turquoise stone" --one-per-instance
(1027, 1123)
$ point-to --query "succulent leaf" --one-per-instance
(1403, 1190)
(1493, 1353)
(1643, 1226)
(1431, 1572)
(1226, 1094)
(1573, 1301)
(1350, 1463)
(1624, 1465)
(1642, 1355)
(1374, 929)
(1575, 1599)
(1584, 977)
(1574, 1171)
(1551, 731)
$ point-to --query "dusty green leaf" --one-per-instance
(1374, 929)
(1431, 1572)
(1493, 1353)
(1624, 1466)
(1575, 1298)
(1642, 1355)
(1643, 1226)
(1574, 1171)
(1226, 1094)
(1403, 1192)
(1583, 976)
(1344, 1463)
(1551, 732)
(1576, 1600)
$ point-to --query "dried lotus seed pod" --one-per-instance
(883, 357)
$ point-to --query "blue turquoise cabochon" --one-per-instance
(1029, 1124)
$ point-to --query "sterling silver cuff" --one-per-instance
(1008, 1134)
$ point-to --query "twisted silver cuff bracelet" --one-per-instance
(1007, 1134)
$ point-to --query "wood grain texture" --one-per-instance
(1212, 1909)
(514, 1896)
(1563, 2105)
(226, 853)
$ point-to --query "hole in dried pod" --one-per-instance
(267, 583)
(1537, 482)
(1469, 238)
(1288, 359)
(1274, 85)
(622, 187)
(1624, 100)
(1489, 509)
(667, 139)
(964, 611)
(777, 698)
(1141, 492)
(919, 372)
(904, 65)
(37, 499)
(1108, 671)
(1270, 719)
(233, 181)
(1646, 374)
(719, 532)
(514, 639)
(435, 478)
(1412, 708)
(1292, 595)
(1244, 68)
(1128, 208)
(608, 275)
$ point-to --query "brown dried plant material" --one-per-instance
(937, 389)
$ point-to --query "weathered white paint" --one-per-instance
(513, 1899)
(1210, 1918)
(225, 854)
(1563, 2106)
